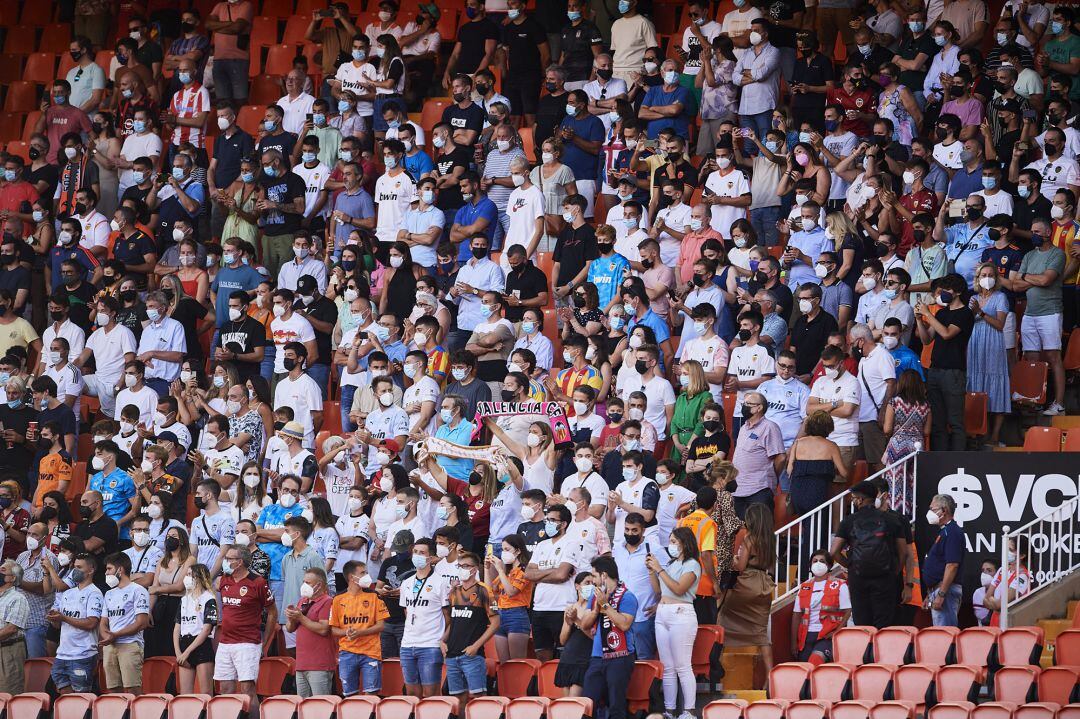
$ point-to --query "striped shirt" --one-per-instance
(571, 378)
(439, 364)
(187, 103)
(498, 166)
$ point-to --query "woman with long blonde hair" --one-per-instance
(847, 245)
(987, 359)
(686, 420)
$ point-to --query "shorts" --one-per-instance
(1009, 331)
(816, 646)
(421, 665)
(523, 94)
(546, 629)
(466, 674)
(359, 672)
(237, 662)
(123, 665)
(203, 653)
(514, 620)
(1042, 333)
(76, 674)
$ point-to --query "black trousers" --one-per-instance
(873, 600)
(606, 681)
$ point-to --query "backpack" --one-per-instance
(871, 551)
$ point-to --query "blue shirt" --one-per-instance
(462, 434)
(657, 96)
(628, 604)
(228, 151)
(786, 405)
(60, 254)
(469, 213)
(116, 490)
(584, 165)
(653, 322)
(948, 548)
(227, 281)
(964, 183)
(607, 274)
(964, 247)
(358, 205)
(273, 516)
(418, 165)
(396, 351)
(906, 359)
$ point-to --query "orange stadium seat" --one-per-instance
(893, 710)
(277, 8)
(36, 674)
(10, 68)
(526, 707)
(767, 709)
(1028, 381)
(393, 682)
(279, 59)
(829, 682)
(911, 681)
(486, 708)
(358, 706)
(295, 28)
(73, 706)
(546, 679)
(28, 704)
(40, 68)
(975, 405)
(1072, 441)
(850, 709)
(111, 705)
(265, 90)
(851, 644)
(871, 681)
(1057, 684)
(250, 117)
(149, 706)
(1036, 710)
(807, 709)
(1042, 439)
(280, 706)
(956, 683)
(1072, 351)
(318, 707)
(37, 14)
(892, 645)
(11, 124)
(29, 124)
(973, 645)
(157, 671)
(993, 710)
(788, 680)
(1015, 684)
(20, 149)
(264, 31)
(514, 676)
(1067, 648)
(434, 708)
(1020, 645)
(272, 674)
(21, 40)
(641, 681)
(56, 38)
(22, 96)
(933, 644)
(951, 710)
(432, 112)
(570, 708)
(9, 13)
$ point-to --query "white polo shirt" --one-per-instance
(875, 369)
(844, 388)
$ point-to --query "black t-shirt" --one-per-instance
(576, 43)
(910, 48)
(188, 313)
(681, 170)
(243, 337)
(283, 142)
(14, 279)
(468, 618)
(533, 533)
(150, 53)
(137, 193)
(1024, 213)
(46, 173)
(810, 337)
(525, 284)
(572, 250)
(952, 353)
(106, 530)
(450, 196)
(323, 310)
(132, 318)
(132, 251)
(522, 41)
(283, 189)
(15, 461)
(469, 118)
(393, 572)
(228, 151)
(814, 70)
(550, 112)
(80, 299)
(780, 35)
(472, 36)
(702, 447)
(1005, 144)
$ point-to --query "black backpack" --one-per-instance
(872, 549)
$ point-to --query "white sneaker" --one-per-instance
(1053, 409)
(686, 715)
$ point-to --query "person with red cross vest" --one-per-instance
(822, 606)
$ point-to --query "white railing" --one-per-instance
(797, 539)
(1052, 548)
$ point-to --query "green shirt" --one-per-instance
(1043, 301)
(1063, 50)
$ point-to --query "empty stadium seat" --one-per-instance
(1020, 645)
(934, 644)
(951, 710)
(108, 706)
(1027, 381)
(295, 28)
(486, 708)
(807, 709)
(527, 707)
(1058, 684)
(56, 39)
(788, 680)
(11, 126)
(708, 636)
(358, 706)
(892, 645)
(277, 8)
(21, 40)
(396, 707)
(279, 59)
(850, 709)
(850, 644)
(1042, 439)
(893, 710)
(829, 682)
(36, 673)
(514, 676)
(37, 14)
(40, 68)
(1036, 710)
(1072, 441)
(156, 674)
(1015, 684)
(975, 408)
(546, 680)
(434, 708)
(1069, 711)
(956, 683)
(911, 681)
(73, 706)
(22, 96)
(280, 706)
(993, 710)
(871, 681)
(28, 704)
(188, 706)
(974, 644)
(393, 683)
(231, 706)
(320, 707)
(767, 709)
(150, 706)
(641, 682)
(264, 90)
(725, 709)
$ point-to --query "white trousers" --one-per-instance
(676, 628)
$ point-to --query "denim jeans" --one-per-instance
(35, 641)
(347, 392)
(763, 220)
(760, 123)
(947, 615)
(266, 367)
(466, 674)
(359, 672)
(645, 638)
(606, 682)
(321, 374)
(421, 665)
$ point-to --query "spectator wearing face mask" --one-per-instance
(357, 618)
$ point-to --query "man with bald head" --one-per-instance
(296, 104)
(97, 530)
(32, 562)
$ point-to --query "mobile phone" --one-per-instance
(1029, 114)
(325, 13)
(310, 117)
(647, 549)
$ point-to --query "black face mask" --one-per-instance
(200, 503)
(47, 514)
(7, 259)
(760, 277)
(604, 247)
(475, 478)
(128, 296)
(604, 75)
(550, 86)
(459, 97)
(711, 425)
(34, 153)
(731, 486)
(278, 426)
(745, 335)
(647, 264)
(699, 280)
(747, 412)
(289, 364)
(973, 213)
(508, 395)
(85, 512)
(632, 539)
(479, 252)
(881, 250)
(169, 295)
(614, 417)
(919, 235)
(1050, 149)
(641, 366)
(940, 133)
(172, 544)
(856, 353)
(80, 208)
(579, 301)
(188, 26)
(482, 89)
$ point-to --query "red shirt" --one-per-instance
(479, 508)
(12, 197)
(59, 121)
(242, 604)
(315, 653)
(859, 101)
(922, 201)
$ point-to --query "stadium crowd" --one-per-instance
(536, 375)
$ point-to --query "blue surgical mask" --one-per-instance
(624, 6)
(178, 173)
(628, 309)
(446, 415)
(184, 77)
(345, 155)
(989, 183)
(382, 333)
(1023, 190)
(390, 161)
(153, 315)
(393, 124)
(138, 126)
(439, 141)
(528, 327)
(59, 99)
(138, 177)
(247, 176)
(344, 106)
(551, 528)
(1056, 27)
(319, 119)
(308, 156)
(573, 15)
(513, 13)
(38, 217)
(14, 403)
(268, 171)
(890, 294)
(419, 561)
(269, 125)
(359, 55)
(631, 223)
(459, 374)
(941, 40)
(485, 310)
(617, 322)
(587, 592)
(805, 137)
(428, 196)
(772, 145)
(916, 26)
(9, 175)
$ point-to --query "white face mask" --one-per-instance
(527, 512)
(189, 583)
(583, 464)
(153, 511)
(662, 478)
(252, 479)
(890, 342)
(242, 540)
(932, 518)
(637, 413)
(572, 507)
(112, 580)
(307, 591)
(32, 544)
(382, 458)
(869, 283)
(287, 500)
(532, 440)
(805, 306)
(987, 283)
(386, 399)
(808, 224)
(818, 569)
(986, 579)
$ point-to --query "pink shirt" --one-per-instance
(690, 250)
(315, 653)
(659, 275)
(970, 113)
(59, 121)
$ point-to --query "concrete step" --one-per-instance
(748, 695)
(738, 669)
